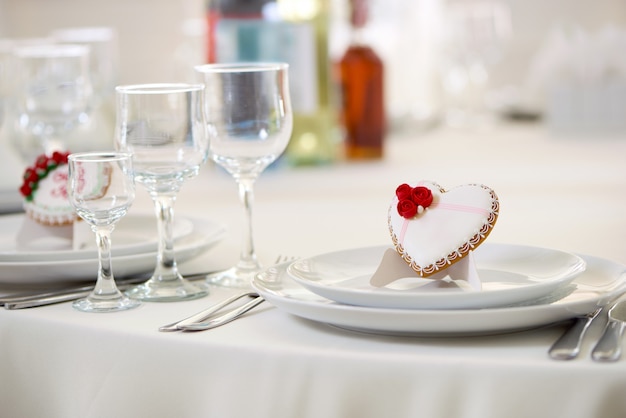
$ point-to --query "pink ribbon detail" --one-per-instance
(460, 208)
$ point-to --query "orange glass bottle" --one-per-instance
(361, 75)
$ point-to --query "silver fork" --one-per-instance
(205, 320)
(205, 314)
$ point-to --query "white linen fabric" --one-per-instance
(554, 193)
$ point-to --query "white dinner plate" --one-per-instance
(602, 281)
(509, 274)
(133, 234)
(204, 234)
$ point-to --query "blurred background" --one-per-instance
(446, 61)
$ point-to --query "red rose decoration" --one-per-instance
(26, 190)
(422, 196)
(30, 175)
(59, 157)
(407, 208)
(41, 162)
(404, 191)
(413, 200)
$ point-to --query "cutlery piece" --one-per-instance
(47, 300)
(32, 300)
(608, 347)
(43, 294)
(568, 345)
(222, 319)
(205, 314)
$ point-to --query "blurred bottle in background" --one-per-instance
(361, 75)
(292, 31)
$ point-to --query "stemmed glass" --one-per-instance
(475, 36)
(101, 190)
(162, 125)
(248, 113)
(54, 92)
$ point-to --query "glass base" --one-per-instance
(232, 278)
(168, 291)
(100, 304)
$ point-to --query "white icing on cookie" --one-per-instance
(456, 222)
(50, 205)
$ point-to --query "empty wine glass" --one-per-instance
(103, 57)
(248, 113)
(162, 125)
(474, 39)
(53, 94)
(101, 190)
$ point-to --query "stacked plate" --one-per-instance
(523, 287)
(134, 247)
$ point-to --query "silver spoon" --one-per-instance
(608, 347)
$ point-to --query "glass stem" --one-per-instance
(166, 269)
(105, 285)
(247, 259)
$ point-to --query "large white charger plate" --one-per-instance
(203, 235)
(508, 273)
(133, 234)
(602, 281)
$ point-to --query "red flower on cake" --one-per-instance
(43, 165)
(422, 196)
(413, 200)
(407, 209)
(30, 175)
(404, 191)
(41, 162)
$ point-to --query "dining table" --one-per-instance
(555, 191)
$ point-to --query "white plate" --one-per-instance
(204, 234)
(601, 281)
(134, 234)
(509, 274)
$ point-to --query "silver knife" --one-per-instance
(609, 347)
(45, 298)
(567, 347)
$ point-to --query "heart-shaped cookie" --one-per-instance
(432, 228)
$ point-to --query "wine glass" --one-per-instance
(101, 189)
(248, 113)
(103, 63)
(162, 125)
(53, 92)
(475, 38)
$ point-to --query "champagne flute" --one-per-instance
(101, 190)
(162, 125)
(248, 113)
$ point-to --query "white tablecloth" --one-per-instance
(560, 193)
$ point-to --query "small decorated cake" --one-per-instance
(50, 222)
(44, 189)
(432, 228)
